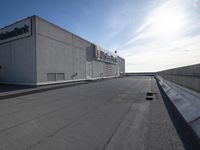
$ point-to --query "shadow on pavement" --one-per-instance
(8, 88)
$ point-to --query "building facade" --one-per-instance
(34, 51)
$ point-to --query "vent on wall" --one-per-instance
(60, 76)
(55, 76)
(51, 76)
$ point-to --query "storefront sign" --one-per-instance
(104, 55)
(15, 31)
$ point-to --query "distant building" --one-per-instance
(34, 51)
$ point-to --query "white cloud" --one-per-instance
(149, 51)
(159, 56)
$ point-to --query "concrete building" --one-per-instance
(34, 51)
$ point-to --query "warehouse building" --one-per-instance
(34, 51)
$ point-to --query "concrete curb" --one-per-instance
(44, 88)
(39, 89)
(187, 104)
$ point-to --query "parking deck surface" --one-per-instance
(106, 115)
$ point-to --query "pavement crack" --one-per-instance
(21, 123)
(118, 126)
(67, 125)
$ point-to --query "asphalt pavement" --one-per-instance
(105, 115)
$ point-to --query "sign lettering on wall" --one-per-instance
(15, 31)
(104, 55)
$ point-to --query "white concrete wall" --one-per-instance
(188, 76)
(59, 51)
(97, 69)
(18, 60)
(121, 64)
(100, 69)
(50, 50)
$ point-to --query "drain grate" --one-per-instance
(149, 96)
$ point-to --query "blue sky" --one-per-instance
(151, 35)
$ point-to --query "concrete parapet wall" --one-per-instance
(140, 73)
(188, 76)
(187, 103)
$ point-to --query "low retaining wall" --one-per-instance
(188, 76)
(140, 74)
(187, 103)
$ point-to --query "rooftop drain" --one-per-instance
(149, 95)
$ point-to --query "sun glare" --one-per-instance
(168, 22)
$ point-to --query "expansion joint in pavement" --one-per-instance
(118, 126)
